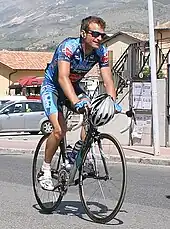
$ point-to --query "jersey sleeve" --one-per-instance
(65, 51)
(103, 57)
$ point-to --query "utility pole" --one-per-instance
(155, 117)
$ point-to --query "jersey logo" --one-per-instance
(67, 52)
(105, 58)
(77, 57)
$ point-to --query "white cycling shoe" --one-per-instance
(45, 180)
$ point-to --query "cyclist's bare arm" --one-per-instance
(64, 81)
(108, 81)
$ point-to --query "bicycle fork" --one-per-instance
(103, 159)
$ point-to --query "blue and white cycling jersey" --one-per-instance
(71, 50)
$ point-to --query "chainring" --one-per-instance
(63, 180)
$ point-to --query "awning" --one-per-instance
(29, 81)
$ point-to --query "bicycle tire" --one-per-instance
(117, 207)
(42, 205)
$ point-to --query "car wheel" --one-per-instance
(46, 127)
(34, 132)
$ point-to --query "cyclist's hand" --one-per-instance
(81, 106)
(118, 108)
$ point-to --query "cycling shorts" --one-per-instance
(53, 99)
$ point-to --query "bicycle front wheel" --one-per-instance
(47, 200)
(102, 192)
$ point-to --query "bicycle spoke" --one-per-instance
(93, 193)
(101, 189)
(103, 197)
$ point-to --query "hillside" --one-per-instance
(42, 24)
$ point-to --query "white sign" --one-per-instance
(143, 125)
(142, 95)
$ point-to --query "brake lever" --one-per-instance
(84, 110)
(131, 113)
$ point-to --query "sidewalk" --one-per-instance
(134, 154)
(145, 155)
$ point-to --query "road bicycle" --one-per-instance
(102, 191)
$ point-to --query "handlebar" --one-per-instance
(130, 115)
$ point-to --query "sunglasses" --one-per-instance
(97, 34)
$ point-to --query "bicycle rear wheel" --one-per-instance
(102, 193)
(47, 200)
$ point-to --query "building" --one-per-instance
(17, 64)
(162, 36)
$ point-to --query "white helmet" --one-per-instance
(102, 109)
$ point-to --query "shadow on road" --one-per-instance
(75, 208)
(168, 196)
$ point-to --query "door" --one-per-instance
(13, 119)
(34, 113)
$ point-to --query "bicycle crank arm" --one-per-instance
(102, 178)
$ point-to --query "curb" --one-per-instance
(129, 159)
(15, 151)
(148, 161)
(143, 160)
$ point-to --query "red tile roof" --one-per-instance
(25, 60)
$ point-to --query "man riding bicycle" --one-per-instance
(72, 59)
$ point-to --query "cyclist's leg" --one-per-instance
(59, 130)
(52, 108)
(88, 167)
(83, 96)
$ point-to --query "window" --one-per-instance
(32, 91)
(18, 91)
(15, 108)
(34, 107)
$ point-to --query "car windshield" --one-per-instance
(5, 104)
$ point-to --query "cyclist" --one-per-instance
(72, 59)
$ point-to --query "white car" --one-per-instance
(24, 116)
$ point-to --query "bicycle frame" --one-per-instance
(91, 133)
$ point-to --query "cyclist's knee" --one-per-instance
(59, 134)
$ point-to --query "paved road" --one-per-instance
(147, 203)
